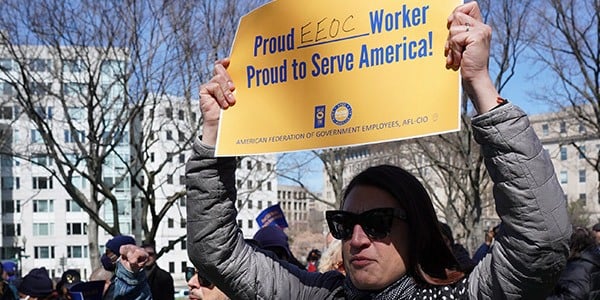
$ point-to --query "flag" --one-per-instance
(272, 216)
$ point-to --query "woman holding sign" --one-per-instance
(391, 243)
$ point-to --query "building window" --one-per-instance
(182, 179)
(170, 179)
(76, 228)
(582, 152)
(44, 112)
(77, 251)
(151, 156)
(169, 135)
(182, 158)
(239, 183)
(170, 222)
(76, 136)
(268, 185)
(545, 129)
(181, 136)
(72, 66)
(42, 183)
(563, 153)
(249, 184)
(259, 204)
(42, 160)
(563, 177)
(72, 206)
(183, 266)
(171, 267)
(583, 198)
(249, 202)
(6, 64)
(43, 229)
(170, 156)
(250, 225)
(240, 223)
(43, 205)
(249, 165)
(40, 65)
(43, 252)
(36, 136)
(239, 204)
(563, 127)
(581, 127)
(8, 206)
(10, 229)
(169, 113)
(581, 176)
(39, 88)
(6, 112)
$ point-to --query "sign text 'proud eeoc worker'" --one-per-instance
(318, 74)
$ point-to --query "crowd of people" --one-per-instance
(386, 240)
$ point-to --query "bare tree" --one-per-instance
(568, 47)
(93, 78)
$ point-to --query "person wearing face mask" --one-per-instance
(201, 288)
(392, 246)
(127, 261)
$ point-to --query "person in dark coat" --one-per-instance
(461, 253)
(6, 293)
(581, 278)
(160, 281)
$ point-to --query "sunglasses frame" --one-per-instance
(190, 272)
(376, 223)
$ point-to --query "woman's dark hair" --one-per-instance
(581, 238)
(431, 261)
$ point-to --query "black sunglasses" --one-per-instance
(190, 272)
(376, 223)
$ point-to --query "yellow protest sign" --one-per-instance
(317, 74)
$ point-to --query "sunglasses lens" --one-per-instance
(377, 223)
(189, 273)
(340, 224)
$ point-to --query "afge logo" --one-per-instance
(320, 116)
(341, 113)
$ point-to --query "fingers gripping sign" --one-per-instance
(468, 41)
(215, 95)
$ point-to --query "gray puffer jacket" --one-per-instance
(524, 263)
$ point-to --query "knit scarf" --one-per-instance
(403, 288)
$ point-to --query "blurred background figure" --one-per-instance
(312, 260)
(273, 239)
(127, 262)
(460, 252)
(37, 285)
(581, 277)
(201, 288)
(332, 258)
(9, 271)
(160, 281)
(68, 279)
(6, 293)
(486, 246)
(596, 230)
